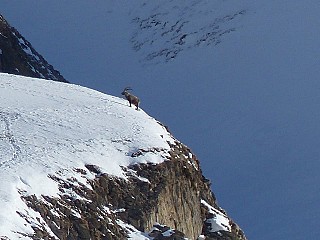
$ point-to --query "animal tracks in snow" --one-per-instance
(7, 138)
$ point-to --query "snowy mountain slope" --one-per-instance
(52, 133)
(48, 128)
(163, 30)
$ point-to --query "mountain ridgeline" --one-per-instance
(158, 191)
(17, 56)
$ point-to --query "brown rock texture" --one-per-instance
(156, 198)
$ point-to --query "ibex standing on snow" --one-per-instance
(131, 98)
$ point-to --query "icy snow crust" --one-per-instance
(49, 127)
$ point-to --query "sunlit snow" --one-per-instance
(51, 128)
(218, 221)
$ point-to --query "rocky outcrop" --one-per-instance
(171, 200)
(17, 56)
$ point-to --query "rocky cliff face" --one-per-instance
(17, 56)
(171, 200)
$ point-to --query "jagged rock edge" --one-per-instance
(80, 205)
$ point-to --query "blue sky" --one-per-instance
(248, 107)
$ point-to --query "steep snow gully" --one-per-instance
(51, 132)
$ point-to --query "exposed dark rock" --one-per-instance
(17, 56)
(160, 232)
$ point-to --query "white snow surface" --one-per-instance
(219, 221)
(133, 233)
(48, 127)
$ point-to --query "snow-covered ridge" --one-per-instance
(49, 127)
